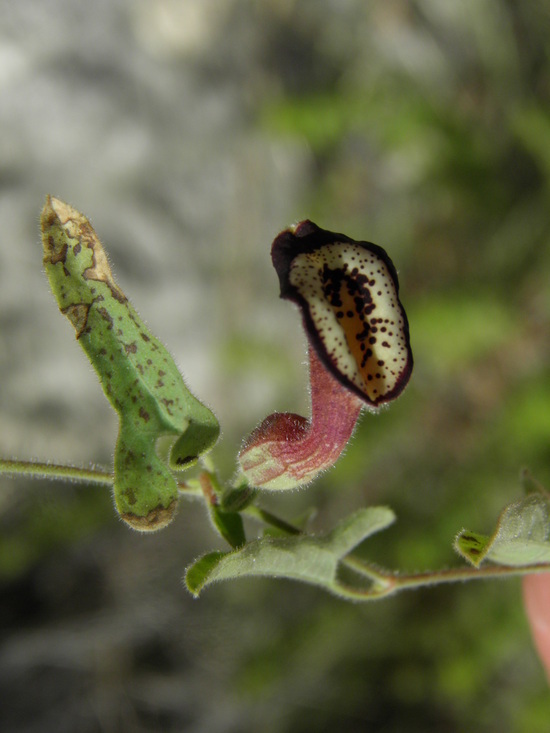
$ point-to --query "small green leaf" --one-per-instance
(137, 374)
(198, 573)
(237, 498)
(472, 546)
(521, 537)
(229, 525)
(311, 559)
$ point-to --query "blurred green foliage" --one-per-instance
(45, 520)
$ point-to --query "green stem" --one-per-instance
(264, 516)
(35, 469)
(386, 583)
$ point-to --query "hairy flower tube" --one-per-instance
(359, 352)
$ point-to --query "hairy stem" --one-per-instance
(35, 469)
(385, 583)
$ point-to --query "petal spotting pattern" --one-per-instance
(348, 292)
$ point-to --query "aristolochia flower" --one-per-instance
(359, 351)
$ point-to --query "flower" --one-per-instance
(359, 351)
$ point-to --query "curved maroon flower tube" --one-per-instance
(287, 450)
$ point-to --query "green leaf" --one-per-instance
(229, 525)
(237, 498)
(137, 374)
(197, 574)
(471, 546)
(521, 537)
(308, 558)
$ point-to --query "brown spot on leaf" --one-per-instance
(50, 217)
(99, 269)
(78, 316)
(55, 254)
(167, 403)
(130, 496)
(157, 518)
(104, 313)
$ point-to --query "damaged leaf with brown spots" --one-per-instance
(137, 374)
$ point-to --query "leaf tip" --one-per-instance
(156, 519)
(55, 211)
(197, 574)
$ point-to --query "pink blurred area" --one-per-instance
(536, 594)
